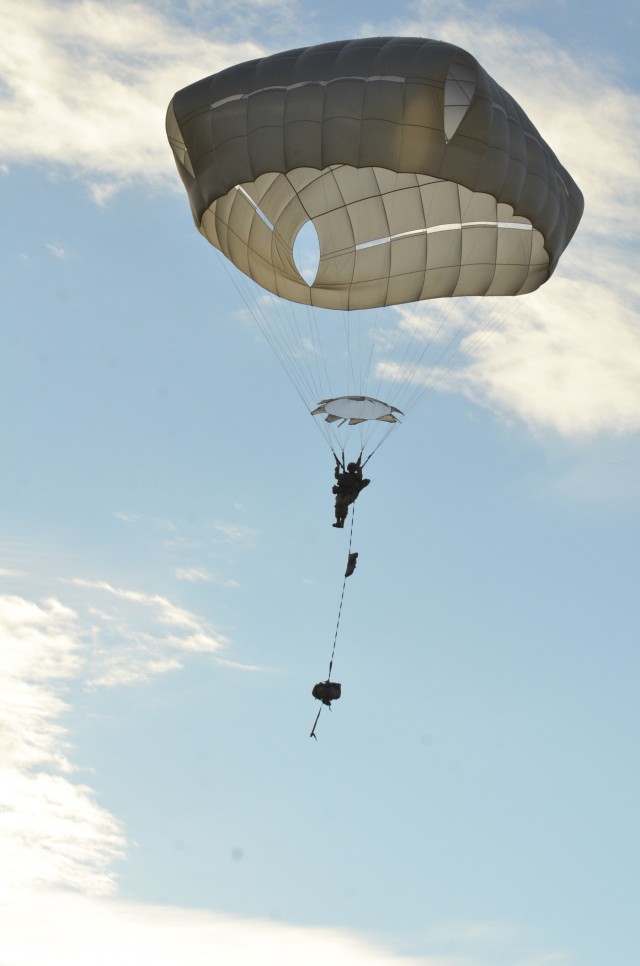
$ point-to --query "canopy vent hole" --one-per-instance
(306, 252)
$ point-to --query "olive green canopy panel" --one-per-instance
(422, 177)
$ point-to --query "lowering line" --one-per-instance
(335, 636)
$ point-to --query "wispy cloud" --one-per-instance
(137, 636)
(165, 611)
(570, 361)
(160, 524)
(195, 575)
(86, 86)
(58, 250)
(191, 551)
(52, 831)
(235, 532)
(240, 666)
(178, 535)
(129, 518)
(484, 942)
(54, 834)
(566, 358)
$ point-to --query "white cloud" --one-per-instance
(239, 666)
(66, 926)
(485, 933)
(194, 574)
(567, 358)
(444, 318)
(137, 636)
(51, 829)
(166, 612)
(155, 525)
(130, 518)
(235, 532)
(134, 934)
(58, 250)
(201, 574)
(53, 833)
(188, 542)
(86, 85)
(570, 360)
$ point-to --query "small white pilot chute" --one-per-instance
(364, 412)
(356, 409)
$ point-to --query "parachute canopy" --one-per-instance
(422, 177)
(356, 409)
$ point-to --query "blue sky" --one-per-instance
(169, 579)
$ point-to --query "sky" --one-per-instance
(170, 581)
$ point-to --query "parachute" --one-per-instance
(406, 175)
(417, 178)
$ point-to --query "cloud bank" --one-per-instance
(66, 926)
(58, 846)
(52, 831)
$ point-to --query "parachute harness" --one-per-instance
(335, 636)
